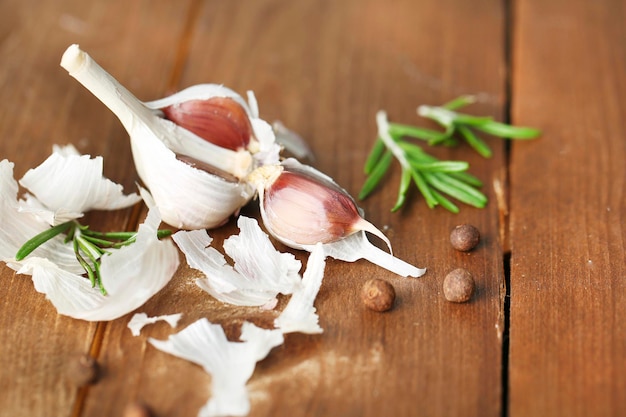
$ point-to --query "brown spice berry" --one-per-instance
(464, 237)
(458, 286)
(82, 370)
(378, 294)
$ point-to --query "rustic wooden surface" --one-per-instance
(567, 335)
(553, 229)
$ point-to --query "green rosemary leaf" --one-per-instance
(98, 277)
(415, 152)
(376, 175)
(400, 130)
(92, 251)
(446, 139)
(459, 102)
(97, 241)
(456, 189)
(422, 186)
(123, 243)
(475, 142)
(479, 199)
(163, 233)
(109, 235)
(405, 182)
(445, 203)
(38, 240)
(467, 119)
(507, 131)
(466, 178)
(441, 166)
(374, 156)
(84, 263)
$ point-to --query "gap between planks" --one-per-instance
(508, 21)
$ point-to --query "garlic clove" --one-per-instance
(262, 136)
(219, 120)
(301, 206)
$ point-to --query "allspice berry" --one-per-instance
(82, 370)
(378, 294)
(458, 286)
(464, 237)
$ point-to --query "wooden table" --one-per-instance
(545, 333)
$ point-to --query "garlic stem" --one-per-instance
(102, 85)
(133, 113)
(366, 226)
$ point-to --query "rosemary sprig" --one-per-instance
(89, 246)
(463, 125)
(435, 179)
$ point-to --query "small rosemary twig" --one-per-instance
(89, 246)
(434, 178)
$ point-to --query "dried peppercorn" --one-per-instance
(378, 294)
(458, 286)
(464, 237)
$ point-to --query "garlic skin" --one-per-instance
(301, 207)
(68, 184)
(187, 197)
(300, 314)
(139, 320)
(259, 272)
(131, 275)
(230, 364)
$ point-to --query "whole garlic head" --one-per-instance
(195, 183)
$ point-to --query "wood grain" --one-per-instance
(324, 68)
(42, 106)
(568, 344)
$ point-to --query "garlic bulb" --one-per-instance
(301, 207)
(171, 159)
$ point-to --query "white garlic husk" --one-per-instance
(301, 207)
(195, 183)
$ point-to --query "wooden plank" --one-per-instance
(42, 106)
(568, 343)
(325, 68)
